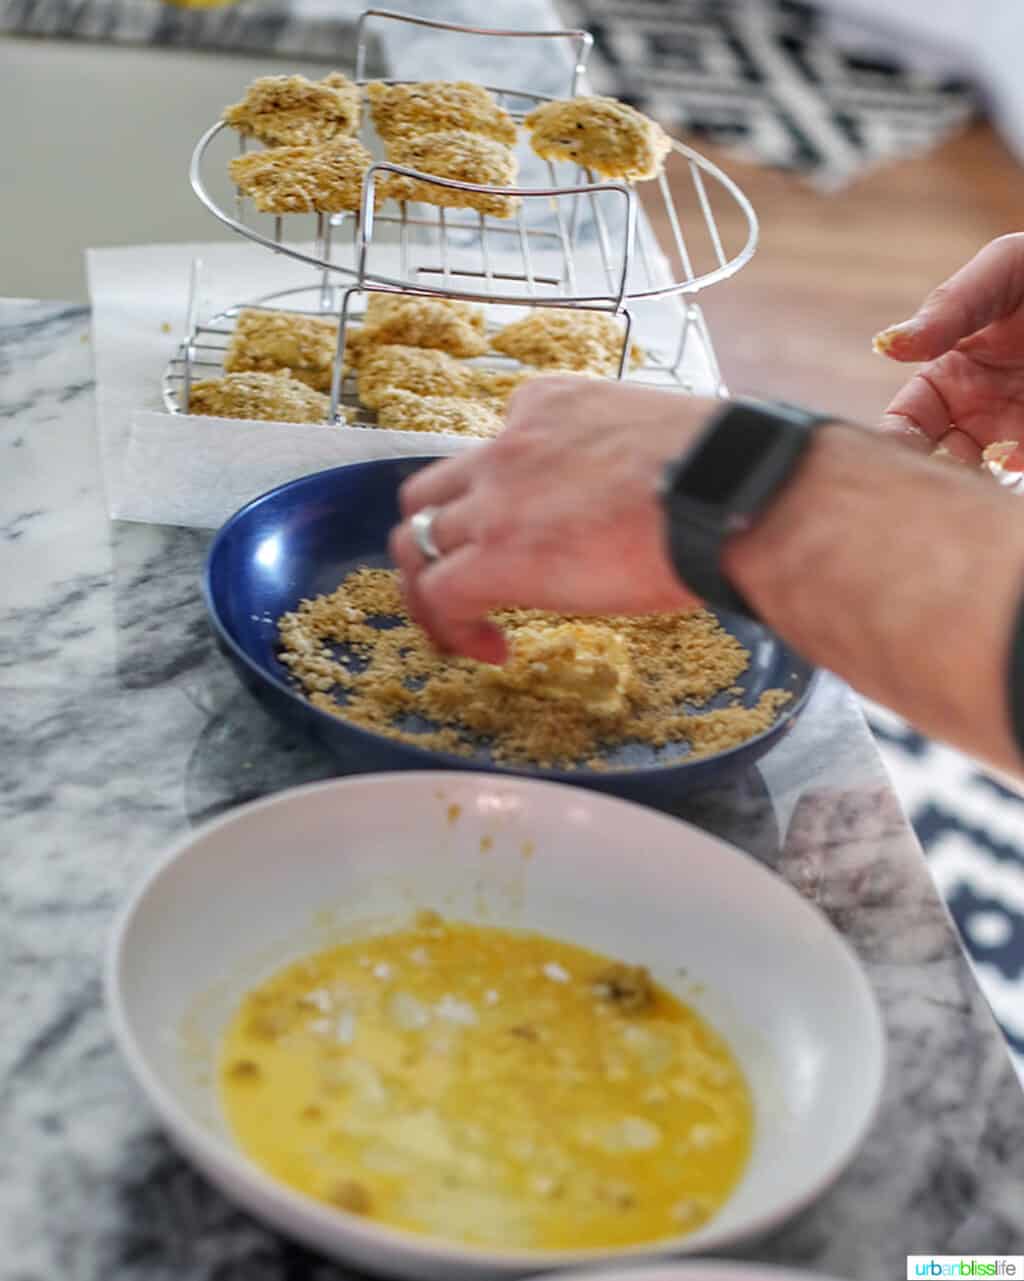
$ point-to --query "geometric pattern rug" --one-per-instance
(764, 79)
(972, 831)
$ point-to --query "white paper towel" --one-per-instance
(189, 470)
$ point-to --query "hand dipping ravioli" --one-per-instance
(490, 1087)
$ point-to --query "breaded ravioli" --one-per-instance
(294, 111)
(276, 397)
(600, 134)
(461, 156)
(430, 373)
(567, 338)
(441, 323)
(405, 411)
(434, 105)
(271, 341)
(325, 178)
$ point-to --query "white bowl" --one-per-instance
(698, 1270)
(273, 880)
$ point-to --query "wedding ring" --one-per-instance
(422, 526)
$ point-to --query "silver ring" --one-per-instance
(422, 526)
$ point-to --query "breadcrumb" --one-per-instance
(434, 105)
(441, 323)
(429, 373)
(291, 110)
(323, 178)
(602, 134)
(275, 397)
(284, 342)
(677, 662)
(564, 338)
(455, 154)
(405, 411)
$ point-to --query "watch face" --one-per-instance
(714, 471)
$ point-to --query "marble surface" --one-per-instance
(123, 726)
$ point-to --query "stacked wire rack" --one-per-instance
(574, 242)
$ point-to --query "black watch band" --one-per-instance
(746, 453)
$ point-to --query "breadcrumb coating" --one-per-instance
(434, 105)
(284, 341)
(571, 339)
(461, 156)
(294, 111)
(430, 373)
(275, 397)
(322, 178)
(667, 665)
(602, 134)
(405, 411)
(447, 325)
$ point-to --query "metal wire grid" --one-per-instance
(343, 242)
(202, 350)
(591, 226)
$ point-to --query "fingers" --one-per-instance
(990, 287)
(456, 593)
(449, 597)
(438, 484)
(905, 432)
(921, 406)
(957, 446)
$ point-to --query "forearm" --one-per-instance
(902, 575)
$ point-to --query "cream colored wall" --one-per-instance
(95, 147)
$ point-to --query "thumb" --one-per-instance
(989, 288)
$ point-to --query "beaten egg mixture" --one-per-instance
(490, 1087)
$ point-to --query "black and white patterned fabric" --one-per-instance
(764, 77)
(972, 830)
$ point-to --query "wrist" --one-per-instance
(762, 562)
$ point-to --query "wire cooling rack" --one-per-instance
(574, 241)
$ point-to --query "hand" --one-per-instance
(970, 331)
(559, 513)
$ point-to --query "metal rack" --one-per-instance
(575, 241)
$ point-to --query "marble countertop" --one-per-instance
(124, 726)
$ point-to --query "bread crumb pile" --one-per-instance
(378, 678)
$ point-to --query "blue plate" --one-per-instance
(302, 539)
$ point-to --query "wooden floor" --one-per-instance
(831, 270)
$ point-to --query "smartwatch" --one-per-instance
(744, 456)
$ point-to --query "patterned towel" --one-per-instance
(763, 77)
(972, 830)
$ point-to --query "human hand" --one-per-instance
(560, 513)
(969, 394)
